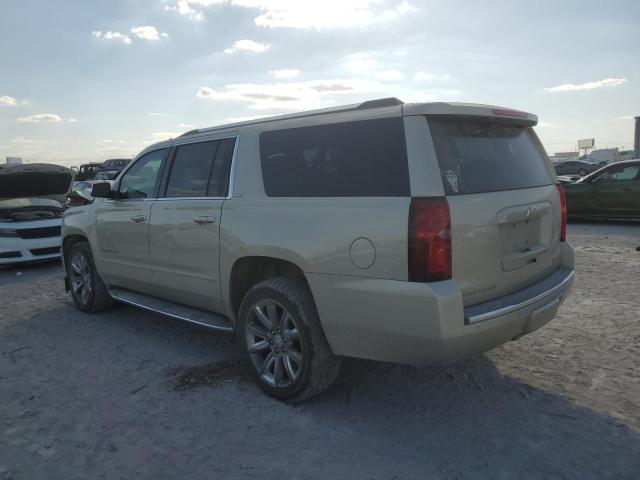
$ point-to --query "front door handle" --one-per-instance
(204, 219)
(139, 218)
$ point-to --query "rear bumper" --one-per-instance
(425, 324)
(548, 288)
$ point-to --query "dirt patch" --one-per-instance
(212, 374)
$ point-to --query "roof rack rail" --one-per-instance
(190, 132)
(380, 102)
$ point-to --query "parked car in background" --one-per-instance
(112, 167)
(106, 175)
(575, 167)
(568, 178)
(87, 171)
(611, 192)
(80, 193)
(31, 206)
(410, 233)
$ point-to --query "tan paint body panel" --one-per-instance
(371, 312)
(183, 268)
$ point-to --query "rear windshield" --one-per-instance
(477, 156)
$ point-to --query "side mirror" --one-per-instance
(101, 190)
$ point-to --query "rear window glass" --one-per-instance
(477, 156)
(201, 169)
(190, 170)
(355, 159)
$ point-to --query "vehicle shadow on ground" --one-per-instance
(478, 422)
(379, 420)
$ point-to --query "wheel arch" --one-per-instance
(68, 242)
(249, 270)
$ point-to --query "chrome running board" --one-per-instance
(173, 310)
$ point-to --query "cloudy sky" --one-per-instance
(89, 80)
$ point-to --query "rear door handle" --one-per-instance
(202, 219)
(139, 218)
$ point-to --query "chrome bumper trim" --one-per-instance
(470, 317)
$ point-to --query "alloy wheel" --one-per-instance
(274, 343)
(81, 278)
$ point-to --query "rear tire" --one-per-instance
(287, 352)
(89, 292)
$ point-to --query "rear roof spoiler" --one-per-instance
(471, 110)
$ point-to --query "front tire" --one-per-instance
(286, 349)
(89, 293)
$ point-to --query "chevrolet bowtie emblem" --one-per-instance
(533, 212)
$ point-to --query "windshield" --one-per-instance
(478, 156)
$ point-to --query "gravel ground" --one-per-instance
(130, 394)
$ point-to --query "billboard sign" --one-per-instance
(586, 143)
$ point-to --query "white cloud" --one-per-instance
(285, 73)
(7, 100)
(111, 141)
(570, 87)
(46, 118)
(626, 117)
(148, 32)
(291, 95)
(367, 65)
(183, 8)
(389, 75)
(112, 36)
(41, 118)
(360, 62)
(160, 136)
(21, 140)
(431, 77)
(318, 15)
(154, 114)
(186, 125)
(164, 135)
(247, 46)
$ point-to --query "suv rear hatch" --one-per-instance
(505, 208)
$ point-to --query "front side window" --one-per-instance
(201, 169)
(141, 179)
(618, 174)
(355, 159)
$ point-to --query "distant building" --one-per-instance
(609, 155)
(14, 160)
(627, 155)
(563, 156)
(566, 155)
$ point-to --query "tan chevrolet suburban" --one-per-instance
(412, 233)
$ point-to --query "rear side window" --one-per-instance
(219, 178)
(355, 159)
(201, 169)
(477, 156)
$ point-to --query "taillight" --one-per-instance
(563, 214)
(429, 240)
